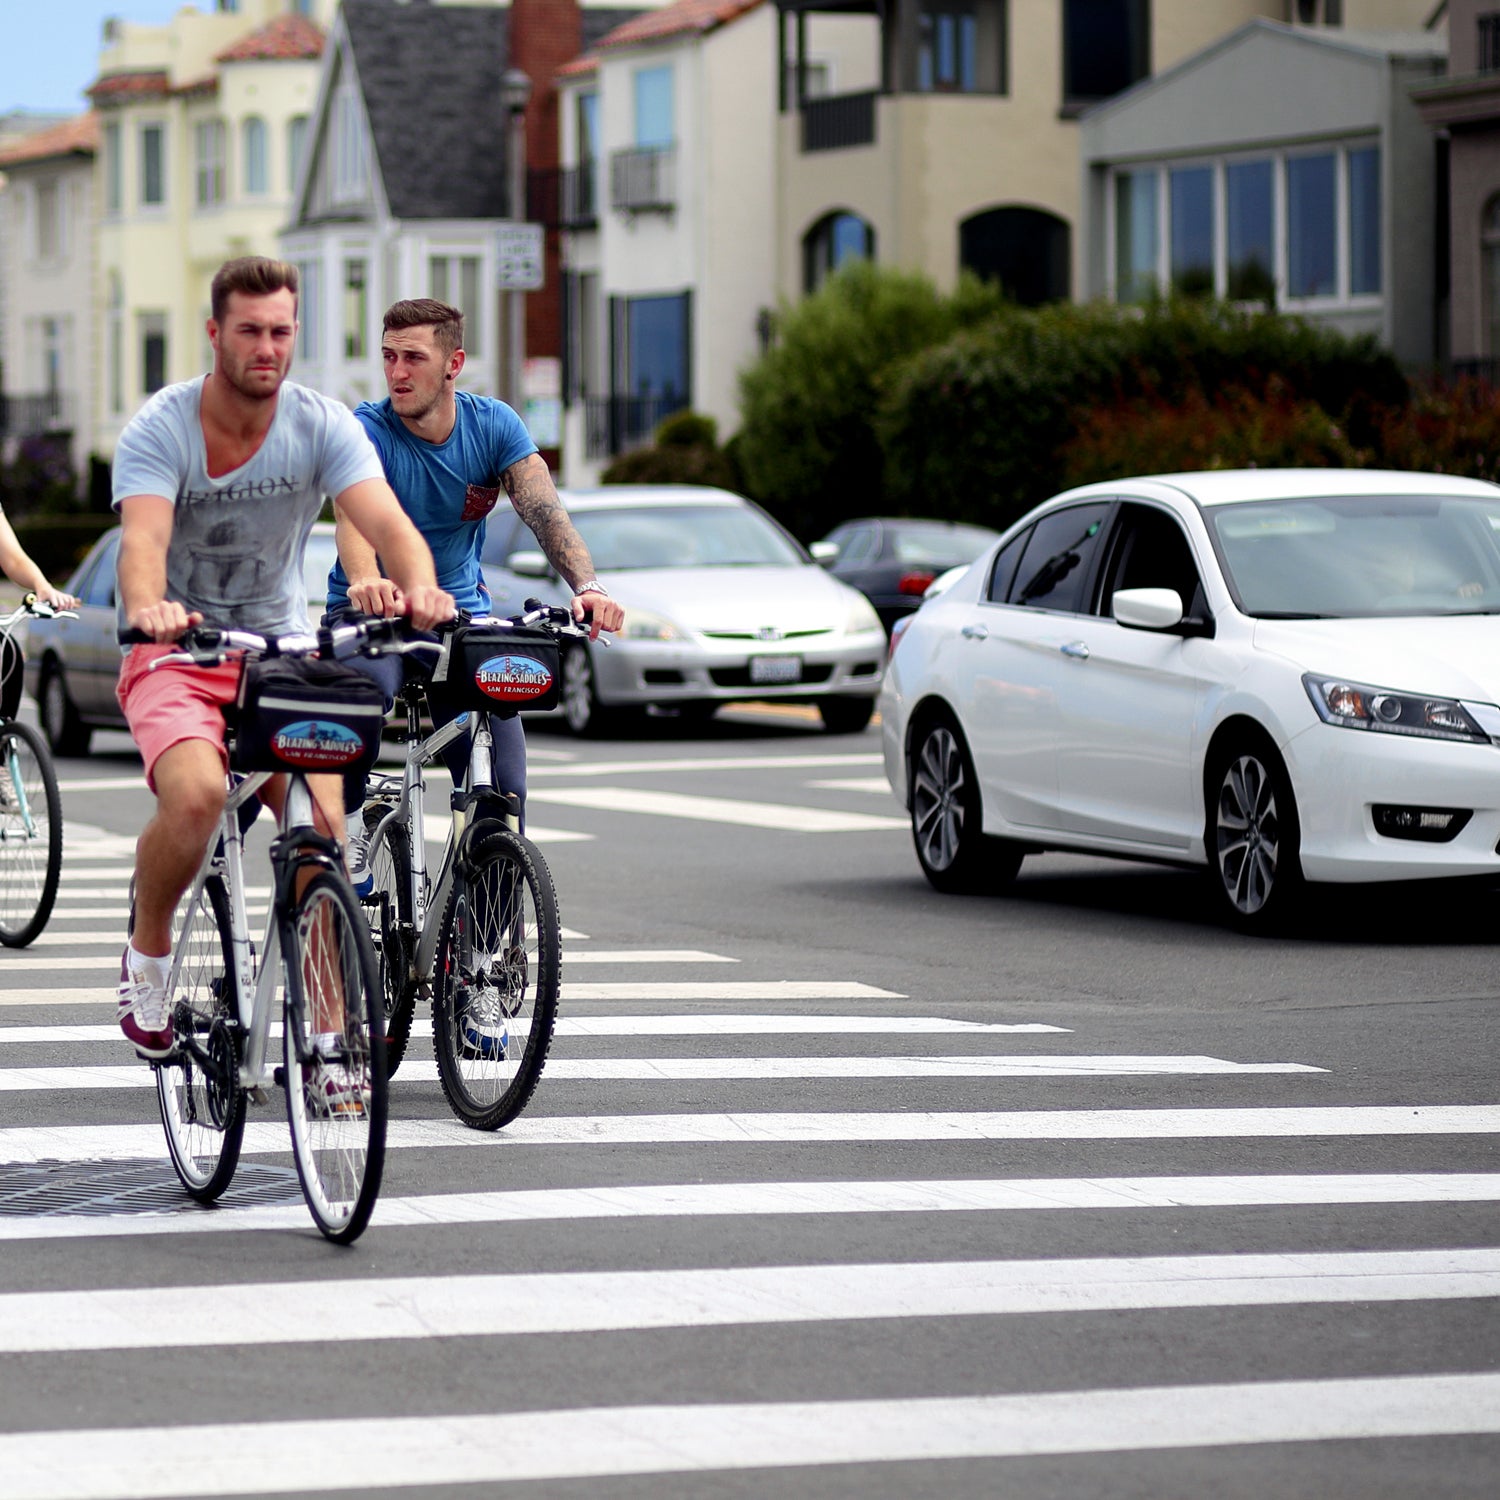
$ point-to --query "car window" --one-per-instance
(317, 561)
(1149, 550)
(683, 536)
(856, 546)
(1004, 570)
(96, 583)
(505, 533)
(1058, 556)
(939, 546)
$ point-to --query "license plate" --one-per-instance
(775, 669)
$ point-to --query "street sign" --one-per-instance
(518, 257)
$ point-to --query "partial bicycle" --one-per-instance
(31, 820)
(300, 710)
(483, 940)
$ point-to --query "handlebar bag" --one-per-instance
(306, 714)
(503, 669)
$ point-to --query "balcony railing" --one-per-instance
(643, 180)
(836, 121)
(564, 197)
(618, 424)
(26, 416)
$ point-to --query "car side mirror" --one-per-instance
(824, 553)
(1156, 609)
(529, 564)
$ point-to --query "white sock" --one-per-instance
(326, 1043)
(152, 967)
(354, 824)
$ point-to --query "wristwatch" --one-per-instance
(592, 586)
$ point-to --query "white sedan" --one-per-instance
(1286, 676)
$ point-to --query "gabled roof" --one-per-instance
(429, 76)
(680, 18)
(121, 88)
(289, 37)
(76, 137)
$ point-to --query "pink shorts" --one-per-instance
(173, 704)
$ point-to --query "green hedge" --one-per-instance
(57, 544)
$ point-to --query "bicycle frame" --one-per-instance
(298, 843)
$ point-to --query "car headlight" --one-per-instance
(862, 617)
(1356, 705)
(643, 625)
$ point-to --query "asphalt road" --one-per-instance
(833, 1186)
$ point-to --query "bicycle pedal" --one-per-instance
(278, 1077)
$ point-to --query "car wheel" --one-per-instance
(1254, 838)
(582, 711)
(846, 715)
(946, 820)
(66, 733)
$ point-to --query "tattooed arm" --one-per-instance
(529, 485)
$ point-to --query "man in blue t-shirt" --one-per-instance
(448, 454)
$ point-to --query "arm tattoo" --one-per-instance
(531, 491)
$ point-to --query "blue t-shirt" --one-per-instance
(446, 488)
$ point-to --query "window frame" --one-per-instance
(210, 166)
(152, 130)
(255, 152)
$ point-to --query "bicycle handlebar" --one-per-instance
(38, 609)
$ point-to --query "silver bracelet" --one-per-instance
(593, 586)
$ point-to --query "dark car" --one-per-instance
(891, 561)
(72, 665)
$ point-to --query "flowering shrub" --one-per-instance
(1448, 429)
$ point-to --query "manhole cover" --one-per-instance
(49, 1189)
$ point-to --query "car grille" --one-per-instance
(738, 677)
(755, 635)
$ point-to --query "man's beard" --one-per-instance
(235, 373)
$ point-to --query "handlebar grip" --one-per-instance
(130, 636)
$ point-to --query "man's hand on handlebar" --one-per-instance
(428, 605)
(599, 611)
(375, 596)
(164, 621)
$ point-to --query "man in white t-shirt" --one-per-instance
(218, 481)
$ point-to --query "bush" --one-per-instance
(686, 451)
(1449, 429)
(40, 479)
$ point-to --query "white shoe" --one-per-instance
(357, 853)
(143, 1014)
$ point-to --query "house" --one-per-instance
(1280, 165)
(46, 268)
(1464, 109)
(201, 126)
(410, 174)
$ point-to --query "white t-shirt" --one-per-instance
(238, 538)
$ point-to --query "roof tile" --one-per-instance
(79, 135)
(681, 17)
(288, 37)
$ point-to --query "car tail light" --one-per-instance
(915, 583)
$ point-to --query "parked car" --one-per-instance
(893, 561)
(721, 604)
(72, 665)
(1285, 676)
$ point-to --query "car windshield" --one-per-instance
(682, 536)
(317, 561)
(1362, 555)
(941, 546)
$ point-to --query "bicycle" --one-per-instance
(316, 943)
(483, 942)
(31, 821)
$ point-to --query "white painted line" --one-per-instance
(426, 1307)
(645, 956)
(709, 992)
(771, 815)
(147, 1463)
(600, 1026)
(26, 1144)
(874, 784)
(736, 763)
(756, 1199)
(700, 1069)
(105, 784)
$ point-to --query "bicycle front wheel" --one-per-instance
(499, 963)
(387, 908)
(334, 1053)
(198, 1087)
(31, 834)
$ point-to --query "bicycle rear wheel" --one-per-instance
(334, 1053)
(31, 834)
(388, 910)
(198, 1087)
(498, 972)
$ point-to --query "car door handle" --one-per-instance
(976, 632)
(1076, 648)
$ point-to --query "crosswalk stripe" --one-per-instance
(697, 1069)
(111, 962)
(779, 816)
(26, 1144)
(602, 1026)
(101, 992)
(589, 769)
(423, 1307)
(757, 1199)
(148, 1463)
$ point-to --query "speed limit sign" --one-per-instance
(519, 257)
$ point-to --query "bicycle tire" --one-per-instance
(31, 834)
(388, 910)
(202, 1112)
(504, 908)
(336, 1107)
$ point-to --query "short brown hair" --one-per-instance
(255, 276)
(446, 323)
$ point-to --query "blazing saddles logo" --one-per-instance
(512, 679)
(316, 744)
